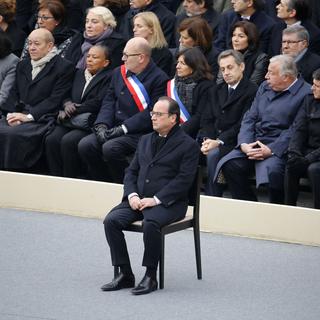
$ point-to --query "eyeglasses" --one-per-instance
(127, 55)
(291, 41)
(158, 114)
(44, 18)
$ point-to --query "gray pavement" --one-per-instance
(52, 266)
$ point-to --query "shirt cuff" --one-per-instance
(124, 128)
(131, 195)
(156, 200)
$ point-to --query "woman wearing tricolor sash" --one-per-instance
(191, 88)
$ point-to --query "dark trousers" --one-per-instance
(292, 178)
(153, 219)
(237, 172)
(107, 162)
(62, 151)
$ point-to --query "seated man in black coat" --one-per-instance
(245, 10)
(201, 8)
(166, 17)
(40, 87)
(304, 148)
(124, 114)
(294, 12)
(220, 123)
(156, 187)
(295, 43)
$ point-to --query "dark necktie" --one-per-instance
(230, 91)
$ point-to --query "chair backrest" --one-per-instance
(194, 193)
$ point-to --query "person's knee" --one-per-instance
(314, 169)
(87, 146)
(111, 151)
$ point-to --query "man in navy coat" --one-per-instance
(120, 122)
(265, 132)
(156, 187)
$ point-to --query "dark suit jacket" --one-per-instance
(118, 106)
(44, 94)
(305, 140)
(92, 97)
(263, 22)
(168, 175)
(222, 118)
(276, 37)
(308, 64)
(166, 17)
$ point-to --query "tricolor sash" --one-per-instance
(172, 93)
(137, 90)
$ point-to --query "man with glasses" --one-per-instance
(124, 114)
(295, 43)
(156, 187)
(294, 12)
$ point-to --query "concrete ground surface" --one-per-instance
(52, 266)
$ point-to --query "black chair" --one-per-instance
(187, 222)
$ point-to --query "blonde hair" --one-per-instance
(105, 14)
(151, 20)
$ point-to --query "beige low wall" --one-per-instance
(93, 199)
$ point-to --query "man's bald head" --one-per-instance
(136, 54)
(40, 43)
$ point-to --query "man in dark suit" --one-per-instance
(244, 10)
(294, 12)
(295, 42)
(265, 132)
(156, 189)
(220, 123)
(166, 17)
(124, 114)
(41, 84)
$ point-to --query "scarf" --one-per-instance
(90, 42)
(38, 65)
(185, 87)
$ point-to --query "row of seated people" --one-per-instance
(129, 92)
(182, 89)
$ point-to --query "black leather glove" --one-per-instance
(297, 163)
(114, 132)
(100, 131)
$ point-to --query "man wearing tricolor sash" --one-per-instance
(124, 114)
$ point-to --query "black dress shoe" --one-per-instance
(146, 285)
(119, 282)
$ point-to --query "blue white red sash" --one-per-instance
(172, 93)
(137, 90)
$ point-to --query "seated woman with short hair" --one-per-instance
(52, 16)
(196, 32)
(100, 29)
(80, 111)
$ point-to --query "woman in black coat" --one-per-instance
(304, 148)
(190, 88)
(100, 29)
(78, 115)
(9, 26)
(196, 32)
(245, 39)
(147, 26)
(51, 16)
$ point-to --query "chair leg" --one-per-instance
(161, 263)
(196, 233)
